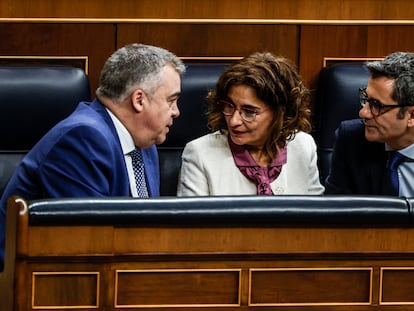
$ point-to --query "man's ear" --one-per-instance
(411, 117)
(137, 100)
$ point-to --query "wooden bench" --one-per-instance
(214, 253)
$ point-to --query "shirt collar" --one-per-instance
(127, 143)
(408, 152)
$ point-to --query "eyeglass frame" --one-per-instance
(363, 99)
(242, 110)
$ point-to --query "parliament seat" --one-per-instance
(337, 99)
(32, 100)
(192, 122)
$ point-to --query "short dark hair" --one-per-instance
(400, 67)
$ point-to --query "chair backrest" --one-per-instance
(32, 100)
(337, 99)
(192, 122)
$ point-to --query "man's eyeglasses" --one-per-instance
(247, 114)
(375, 105)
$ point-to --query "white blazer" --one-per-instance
(208, 168)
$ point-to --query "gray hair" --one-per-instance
(135, 66)
(400, 67)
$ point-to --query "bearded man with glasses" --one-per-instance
(374, 155)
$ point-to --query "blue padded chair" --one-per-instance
(337, 99)
(192, 122)
(32, 100)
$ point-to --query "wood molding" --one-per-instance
(208, 21)
(75, 61)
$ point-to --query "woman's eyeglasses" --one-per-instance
(375, 106)
(247, 114)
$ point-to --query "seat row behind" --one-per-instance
(33, 99)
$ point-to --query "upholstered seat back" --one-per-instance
(32, 100)
(337, 99)
(192, 122)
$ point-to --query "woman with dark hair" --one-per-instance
(260, 142)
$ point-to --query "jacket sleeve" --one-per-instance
(152, 170)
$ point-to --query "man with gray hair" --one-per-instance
(374, 155)
(106, 147)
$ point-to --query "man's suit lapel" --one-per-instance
(150, 158)
(376, 167)
(122, 182)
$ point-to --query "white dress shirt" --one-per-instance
(127, 145)
(406, 173)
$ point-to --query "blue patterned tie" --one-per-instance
(139, 173)
(391, 179)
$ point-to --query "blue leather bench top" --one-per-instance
(348, 211)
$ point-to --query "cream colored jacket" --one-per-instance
(208, 168)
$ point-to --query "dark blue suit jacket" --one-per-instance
(80, 157)
(357, 165)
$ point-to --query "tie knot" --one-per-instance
(136, 155)
(395, 160)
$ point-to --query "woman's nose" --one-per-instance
(235, 118)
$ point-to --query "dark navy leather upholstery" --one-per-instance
(192, 123)
(288, 211)
(337, 99)
(32, 100)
